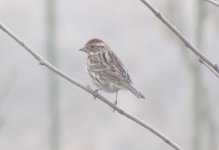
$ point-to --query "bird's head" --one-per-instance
(93, 46)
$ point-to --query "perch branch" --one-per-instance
(45, 63)
(213, 2)
(207, 62)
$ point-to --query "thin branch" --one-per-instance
(213, 2)
(89, 90)
(195, 50)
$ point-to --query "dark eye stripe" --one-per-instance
(104, 57)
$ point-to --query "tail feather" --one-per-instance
(135, 92)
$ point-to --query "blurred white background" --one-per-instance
(181, 94)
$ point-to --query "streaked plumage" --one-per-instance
(106, 70)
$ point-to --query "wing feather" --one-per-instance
(110, 66)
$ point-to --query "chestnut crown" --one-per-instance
(94, 45)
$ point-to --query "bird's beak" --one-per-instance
(84, 49)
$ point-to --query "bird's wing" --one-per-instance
(110, 66)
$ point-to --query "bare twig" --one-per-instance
(213, 2)
(196, 51)
(89, 90)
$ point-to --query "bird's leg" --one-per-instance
(96, 93)
(115, 100)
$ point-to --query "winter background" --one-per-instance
(40, 110)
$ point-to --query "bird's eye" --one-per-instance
(92, 46)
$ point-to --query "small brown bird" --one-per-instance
(106, 70)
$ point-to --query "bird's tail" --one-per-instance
(135, 92)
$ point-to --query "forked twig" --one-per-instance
(196, 51)
(45, 63)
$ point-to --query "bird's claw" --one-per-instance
(94, 93)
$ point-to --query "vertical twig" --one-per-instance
(198, 92)
(53, 95)
(201, 104)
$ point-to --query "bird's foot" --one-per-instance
(95, 92)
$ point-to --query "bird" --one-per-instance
(106, 70)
